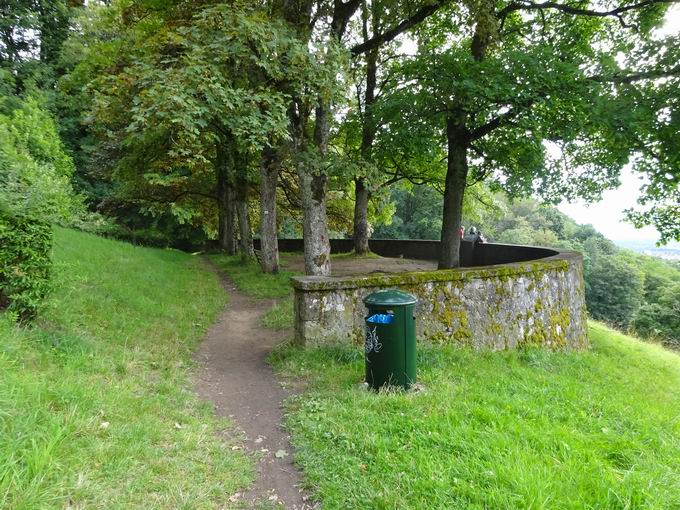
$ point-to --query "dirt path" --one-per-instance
(235, 376)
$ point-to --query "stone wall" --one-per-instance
(470, 255)
(505, 306)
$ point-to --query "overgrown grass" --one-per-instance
(353, 255)
(526, 429)
(249, 279)
(96, 407)
(279, 316)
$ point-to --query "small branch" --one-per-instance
(578, 11)
(631, 78)
(378, 40)
(569, 9)
(496, 122)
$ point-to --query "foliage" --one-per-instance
(520, 429)
(96, 406)
(31, 35)
(660, 319)
(24, 265)
(546, 100)
(419, 211)
(35, 191)
(418, 215)
(35, 170)
(614, 288)
(188, 89)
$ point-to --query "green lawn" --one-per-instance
(96, 405)
(249, 279)
(507, 430)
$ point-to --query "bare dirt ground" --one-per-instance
(349, 265)
(235, 376)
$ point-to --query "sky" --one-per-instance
(607, 215)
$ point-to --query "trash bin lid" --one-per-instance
(390, 297)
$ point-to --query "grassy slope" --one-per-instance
(529, 429)
(95, 403)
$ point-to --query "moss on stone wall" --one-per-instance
(525, 304)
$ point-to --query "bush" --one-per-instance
(661, 321)
(24, 265)
(614, 288)
(35, 191)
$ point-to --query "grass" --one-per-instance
(249, 279)
(526, 429)
(279, 316)
(353, 255)
(96, 405)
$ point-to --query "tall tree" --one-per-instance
(201, 105)
(544, 98)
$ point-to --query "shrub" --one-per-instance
(24, 265)
(35, 191)
(614, 288)
(661, 321)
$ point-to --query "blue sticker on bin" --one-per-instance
(381, 318)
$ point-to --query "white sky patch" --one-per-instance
(607, 214)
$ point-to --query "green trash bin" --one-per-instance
(390, 345)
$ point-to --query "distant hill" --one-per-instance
(669, 252)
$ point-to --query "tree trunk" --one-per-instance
(458, 139)
(269, 243)
(313, 196)
(313, 178)
(368, 130)
(226, 239)
(245, 245)
(361, 193)
(314, 225)
(360, 236)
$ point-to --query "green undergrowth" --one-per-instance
(96, 405)
(279, 316)
(536, 429)
(353, 255)
(249, 279)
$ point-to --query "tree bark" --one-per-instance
(361, 197)
(245, 245)
(314, 225)
(313, 178)
(226, 238)
(458, 139)
(269, 243)
(368, 129)
(313, 183)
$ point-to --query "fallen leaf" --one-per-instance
(280, 454)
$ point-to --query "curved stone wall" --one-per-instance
(499, 306)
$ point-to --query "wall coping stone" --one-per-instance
(561, 260)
